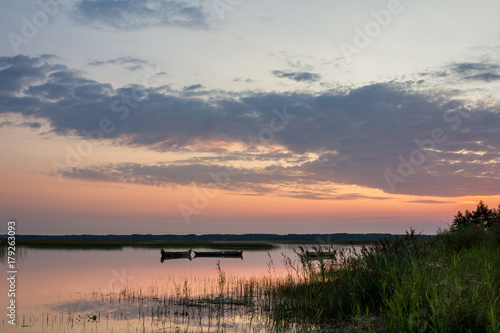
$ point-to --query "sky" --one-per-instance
(239, 116)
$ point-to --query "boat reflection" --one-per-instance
(219, 254)
(170, 255)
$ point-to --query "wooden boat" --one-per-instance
(220, 254)
(315, 255)
(176, 254)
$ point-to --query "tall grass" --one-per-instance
(447, 284)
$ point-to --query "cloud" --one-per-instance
(130, 63)
(275, 180)
(136, 14)
(465, 68)
(34, 124)
(465, 72)
(477, 71)
(487, 77)
(430, 201)
(339, 136)
(239, 79)
(298, 76)
(193, 87)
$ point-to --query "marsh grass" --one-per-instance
(223, 303)
(450, 283)
(447, 284)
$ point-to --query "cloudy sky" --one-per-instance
(237, 116)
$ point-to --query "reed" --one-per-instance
(447, 284)
(450, 283)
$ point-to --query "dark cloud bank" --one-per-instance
(136, 14)
(358, 136)
(297, 76)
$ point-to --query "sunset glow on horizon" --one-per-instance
(181, 117)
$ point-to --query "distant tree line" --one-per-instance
(316, 238)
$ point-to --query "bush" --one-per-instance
(482, 217)
(464, 238)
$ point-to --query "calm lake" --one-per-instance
(131, 290)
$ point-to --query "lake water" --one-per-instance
(128, 290)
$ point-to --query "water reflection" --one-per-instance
(129, 289)
(221, 308)
(170, 255)
(219, 254)
(20, 253)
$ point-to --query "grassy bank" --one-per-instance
(447, 284)
(75, 244)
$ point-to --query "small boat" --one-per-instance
(318, 255)
(220, 254)
(176, 254)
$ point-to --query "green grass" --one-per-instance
(450, 283)
(447, 284)
(119, 244)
